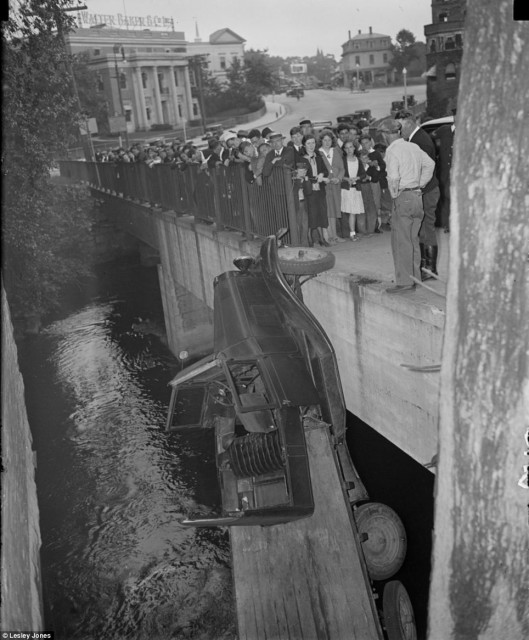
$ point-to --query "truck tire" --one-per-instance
(304, 261)
(399, 618)
(383, 539)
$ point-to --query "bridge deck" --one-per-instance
(306, 579)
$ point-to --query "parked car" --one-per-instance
(355, 117)
(296, 92)
(213, 131)
(432, 125)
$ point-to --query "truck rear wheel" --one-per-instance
(399, 618)
(383, 539)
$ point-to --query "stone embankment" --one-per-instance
(21, 606)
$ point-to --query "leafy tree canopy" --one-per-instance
(403, 50)
(40, 115)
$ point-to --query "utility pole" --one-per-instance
(86, 139)
(196, 62)
(117, 49)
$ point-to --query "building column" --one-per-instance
(174, 96)
(157, 100)
(189, 97)
(139, 100)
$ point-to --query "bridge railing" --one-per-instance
(221, 195)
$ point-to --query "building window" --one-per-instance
(371, 59)
(357, 59)
(443, 17)
(179, 109)
(144, 80)
(195, 109)
(97, 52)
(100, 83)
(160, 81)
(450, 71)
(459, 40)
(234, 59)
(122, 80)
(433, 46)
(384, 57)
(176, 77)
(449, 44)
(222, 62)
(128, 115)
(148, 112)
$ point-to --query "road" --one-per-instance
(319, 104)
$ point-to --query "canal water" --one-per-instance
(112, 485)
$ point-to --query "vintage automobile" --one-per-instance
(272, 374)
(356, 116)
(213, 131)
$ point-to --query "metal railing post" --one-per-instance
(292, 214)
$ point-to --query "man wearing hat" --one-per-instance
(430, 195)
(409, 169)
(279, 156)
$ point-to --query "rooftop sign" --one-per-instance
(85, 19)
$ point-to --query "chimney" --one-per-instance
(359, 31)
(370, 30)
(349, 34)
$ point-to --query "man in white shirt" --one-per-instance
(409, 169)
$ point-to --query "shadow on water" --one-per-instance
(395, 479)
(112, 485)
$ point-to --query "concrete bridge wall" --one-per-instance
(373, 333)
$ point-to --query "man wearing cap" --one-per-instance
(409, 169)
(430, 195)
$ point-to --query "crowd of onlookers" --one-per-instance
(353, 183)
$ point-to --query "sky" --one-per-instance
(283, 27)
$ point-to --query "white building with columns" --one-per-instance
(152, 81)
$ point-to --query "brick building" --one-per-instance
(444, 42)
(366, 59)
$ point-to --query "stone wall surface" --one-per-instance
(21, 606)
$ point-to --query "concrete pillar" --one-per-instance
(188, 96)
(157, 100)
(174, 96)
(139, 100)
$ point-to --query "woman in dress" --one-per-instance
(316, 204)
(333, 159)
(352, 201)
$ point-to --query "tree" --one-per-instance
(91, 101)
(259, 71)
(40, 117)
(480, 577)
(403, 51)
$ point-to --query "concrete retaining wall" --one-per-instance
(21, 608)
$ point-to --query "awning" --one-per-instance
(431, 73)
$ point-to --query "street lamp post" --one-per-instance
(404, 73)
(357, 77)
(117, 48)
(196, 62)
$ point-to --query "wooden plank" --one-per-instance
(304, 580)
